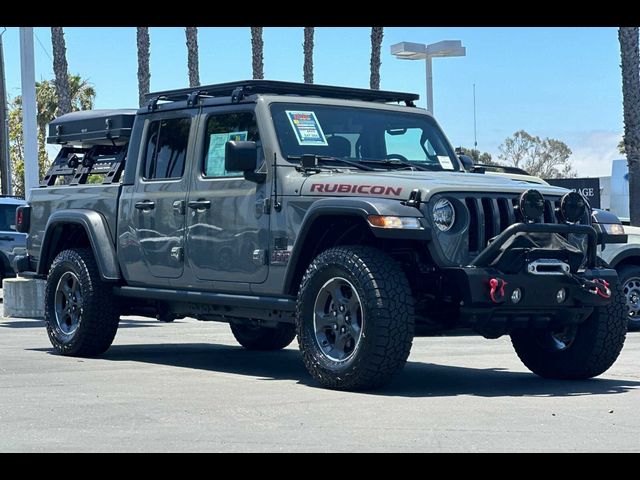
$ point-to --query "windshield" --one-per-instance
(362, 135)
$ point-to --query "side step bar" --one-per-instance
(287, 304)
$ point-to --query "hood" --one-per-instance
(400, 184)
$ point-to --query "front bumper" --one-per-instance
(486, 297)
(537, 305)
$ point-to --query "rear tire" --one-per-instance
(253, 337)
(355, 318)
(587, 350)
(80, 312)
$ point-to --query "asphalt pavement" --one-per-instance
(187, 386)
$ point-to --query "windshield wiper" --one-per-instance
(397, 162)
(323, 158)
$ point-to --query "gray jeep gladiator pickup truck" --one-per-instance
(341, 215)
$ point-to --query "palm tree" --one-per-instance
(376, 44)
(257, 46)
(307, 48)
(192, 56)
(630, 54)
(60, 69)
(82, 96)
(144, 75)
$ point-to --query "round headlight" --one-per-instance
(444, 215)
(572, 207)
(531, 205)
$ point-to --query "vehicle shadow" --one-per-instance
(37, 323)
(416, 380)
(22, 323)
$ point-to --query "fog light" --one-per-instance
(561, 295)
(531, 205)
(516, 296)
(572, 207)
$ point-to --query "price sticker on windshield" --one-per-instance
(445, 162)
(307, 128)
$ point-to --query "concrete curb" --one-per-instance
(23, 297)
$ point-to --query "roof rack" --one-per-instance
(241, 89)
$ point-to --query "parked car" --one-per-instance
(339, 215)
(625, 258)
(11, 241)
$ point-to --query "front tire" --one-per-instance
(355, 318)
(629, 276)
(583, 351)
(80, 312)
(254, 337)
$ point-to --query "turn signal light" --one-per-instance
(385, 221)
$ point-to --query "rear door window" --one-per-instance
(166, 148)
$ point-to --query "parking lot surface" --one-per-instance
(187, 386)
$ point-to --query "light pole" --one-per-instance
(29, 111)
(421, 51)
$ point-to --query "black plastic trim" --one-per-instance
(287, 304)
(97, 230)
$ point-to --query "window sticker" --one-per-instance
(306, 127)
(215, 156)
(445, 162)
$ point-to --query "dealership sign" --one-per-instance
(588, 187)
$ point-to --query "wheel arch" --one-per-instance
(75, 228)
(630, 256)
(348, 216)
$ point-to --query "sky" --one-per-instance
(563, 83)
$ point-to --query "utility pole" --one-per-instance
(5, 163)
(29, 111)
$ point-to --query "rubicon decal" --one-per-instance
(347, 188)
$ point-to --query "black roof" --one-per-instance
(238, 90)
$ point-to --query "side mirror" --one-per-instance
(242, 156)
(467, 162)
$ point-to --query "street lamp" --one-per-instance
(420, 51)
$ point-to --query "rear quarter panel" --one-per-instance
(44, 201)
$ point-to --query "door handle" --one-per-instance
(199, 204)
(7, 238)
(178, 206)
(145, 205)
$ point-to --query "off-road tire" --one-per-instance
(595, 346)
(388, 312)
(625, 274)
(263, 338)
(98, 322)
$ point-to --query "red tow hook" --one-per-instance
(602, 288)
(496, 291)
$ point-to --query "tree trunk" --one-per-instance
(192, 56)
(376, 44)
(144, 74)
(628, 37)
(307, 48)
(61, 70)
(257, 46)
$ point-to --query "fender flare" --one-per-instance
(623, 255)
(356, 207)
(97, 230)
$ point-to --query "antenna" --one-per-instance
(475, 132)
